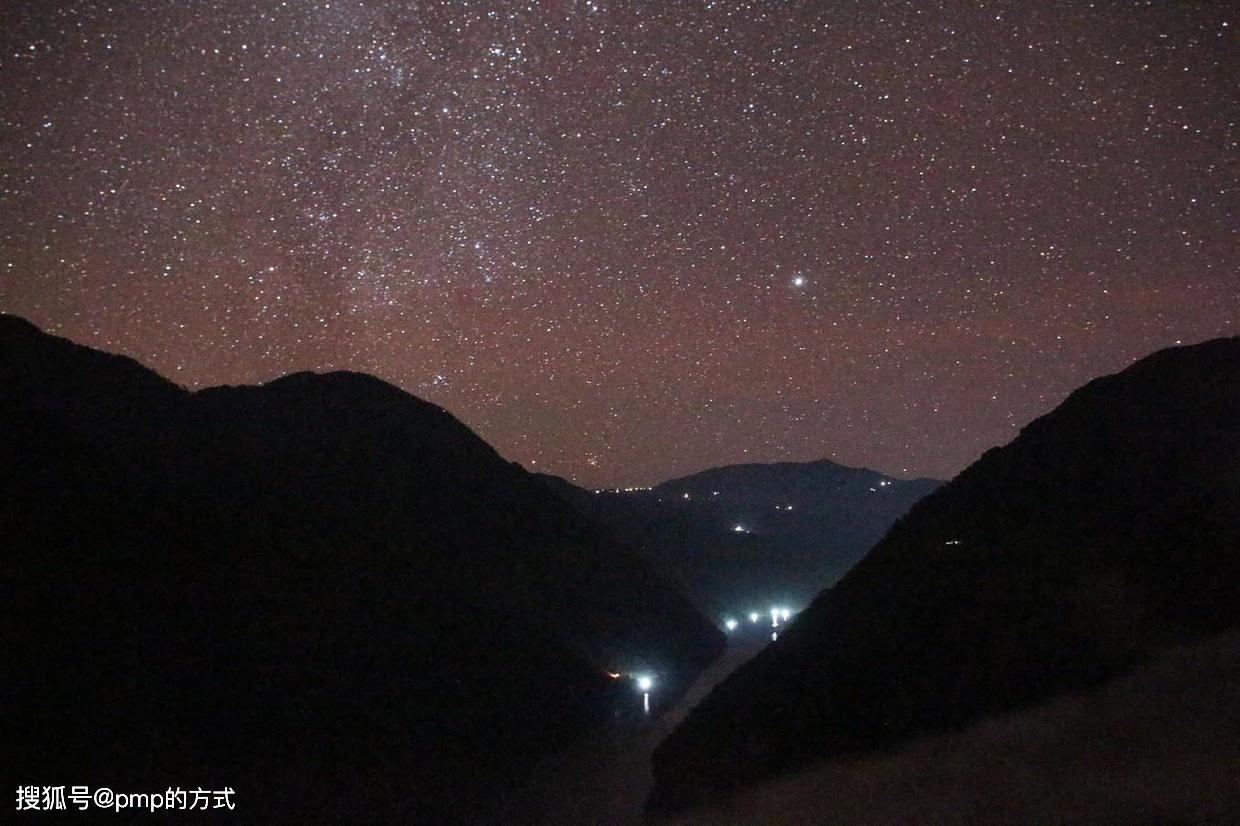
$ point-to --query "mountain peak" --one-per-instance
(353, 555)
(347, 385)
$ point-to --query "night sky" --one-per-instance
(627, 241)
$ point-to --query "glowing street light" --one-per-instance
(644, 684)
(753, 616)
(729, 624)
(775, 617)
(785, 613)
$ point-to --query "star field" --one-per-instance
(625, 241)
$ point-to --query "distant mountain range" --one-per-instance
(323, 592)
(1108, 529)
(746, 537)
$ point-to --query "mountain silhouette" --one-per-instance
(802, 525)
(1106, 531)
(323, 592)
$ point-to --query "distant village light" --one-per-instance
(644, 684)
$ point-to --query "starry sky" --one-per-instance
(626, 241)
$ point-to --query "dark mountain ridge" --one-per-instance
(802, 525)
(322, 591)
(1107, 529)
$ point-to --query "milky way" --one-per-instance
(625, 241)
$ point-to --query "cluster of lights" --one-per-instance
(623, 490)
(777, 615)
(739, 529)
(783, 507)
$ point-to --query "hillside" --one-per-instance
(1158, 745)
(1106, 530)
(802, 526)
(323, 592)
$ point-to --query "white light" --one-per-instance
(798, 281)
(774, 617)
(785, 613)
(645, 683)
(729, 624)
(753, 617)
(739, 529)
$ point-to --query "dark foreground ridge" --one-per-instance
(746, 537)
(322, 592)
(1107, 530)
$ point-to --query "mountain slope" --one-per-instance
(1157, 745)
(1107, 529)
(803, 525)
(323, 592)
